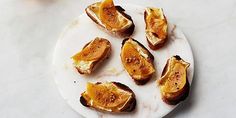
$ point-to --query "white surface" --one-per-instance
(29, 30)
(71, 84)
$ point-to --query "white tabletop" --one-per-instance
(29, 30)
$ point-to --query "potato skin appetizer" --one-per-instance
(92, 54)
(174, 84)
(137, 61)
(110, 17)
(156, 27)
(110, 96)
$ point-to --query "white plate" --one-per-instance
(71, 84)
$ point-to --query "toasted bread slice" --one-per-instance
(112, 18)
(109, 96)
(137, 60)
(174, 84)
(156, 27)
(91, 55)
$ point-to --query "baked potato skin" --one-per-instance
(123, 33)
(175, 98)
(159, 45)
(129, 106)
(150, 59)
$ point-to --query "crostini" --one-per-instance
(92, 54)
(110, 17)
(156, 27)
(137, 61)
(174, 85)
(109, 96)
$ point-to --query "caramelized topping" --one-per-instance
(175, 76)
(156, 22)
(106, 96)
(109, 15)
(93, 51)
(135, 59)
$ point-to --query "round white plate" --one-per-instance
(71, 84)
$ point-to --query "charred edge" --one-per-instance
(123, 42)
(86, 44)
(97, 83)
(183, 95)
(120, 9)
(81, 72)
(83, 101)
(178, 57)
(165, 68)
(130, 30)
(142, 81)
(145, 15)
(149, 53)
(123, 87)
(130, 106)
(186, 93)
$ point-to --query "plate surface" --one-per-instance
(71, 84)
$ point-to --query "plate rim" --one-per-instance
(67, 27)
